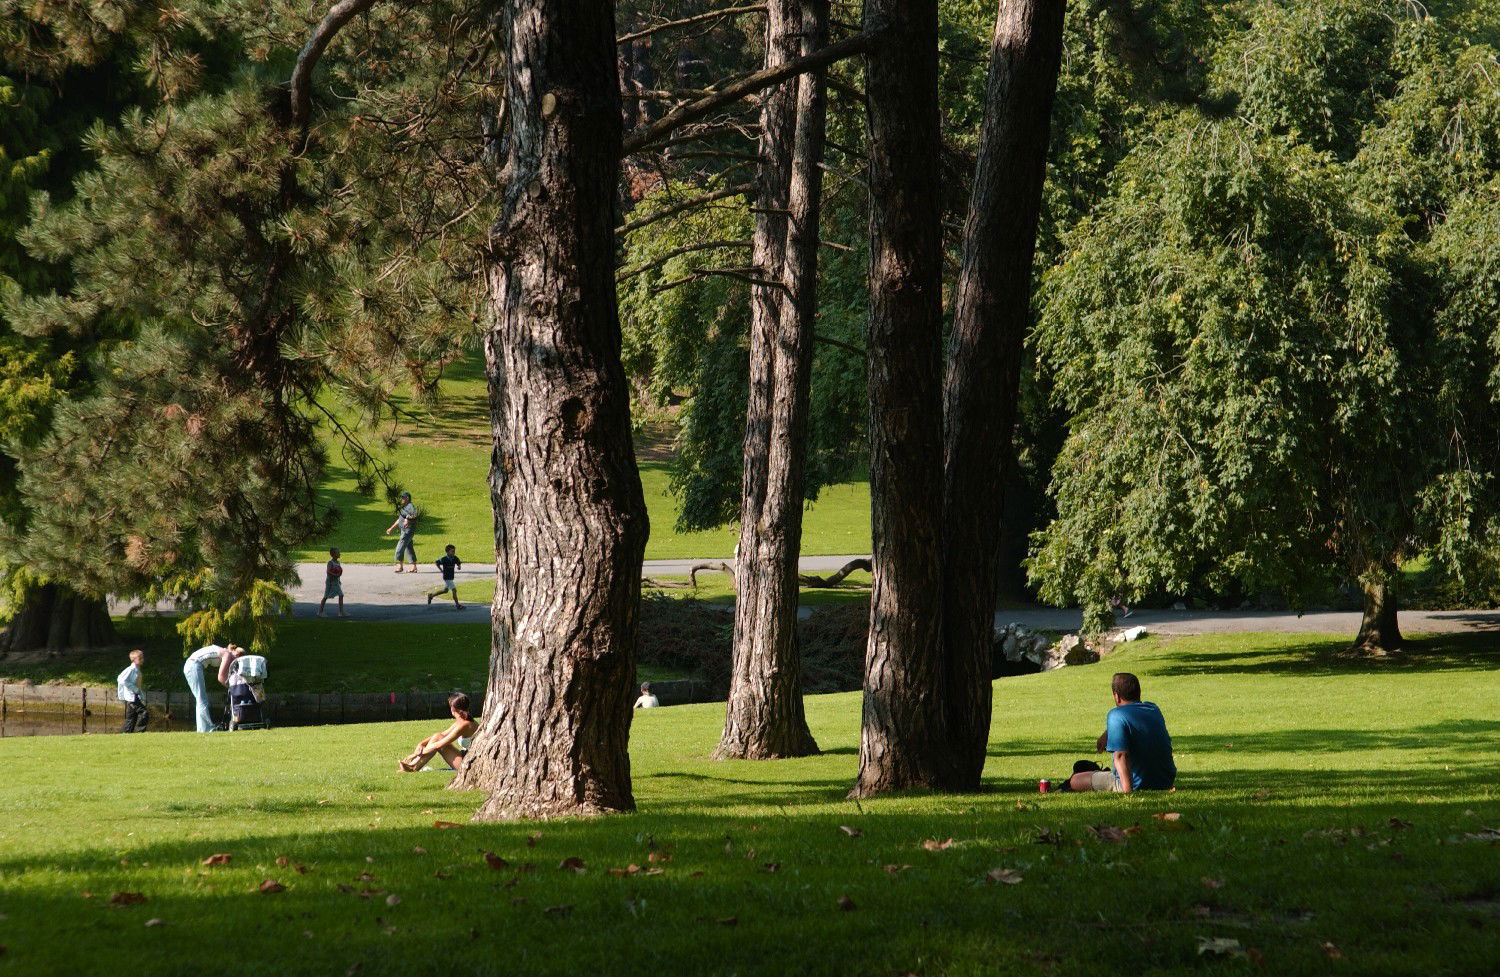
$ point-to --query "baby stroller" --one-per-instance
(247, 694)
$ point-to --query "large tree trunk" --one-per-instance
(764, 717)
(992, 313)
(53, 618)
(570, 520)
(1379, 632)
(903, 740)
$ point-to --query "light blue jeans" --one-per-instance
(193, 672)
(405, 545)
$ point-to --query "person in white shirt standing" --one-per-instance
(128, 691)
(206, 657)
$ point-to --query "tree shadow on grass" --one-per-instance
(1323, 658)
(721, 889)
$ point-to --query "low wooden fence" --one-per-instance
(32, 709)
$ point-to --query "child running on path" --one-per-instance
(448, 564)
(334, 586)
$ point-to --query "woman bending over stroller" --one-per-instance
(444, 744)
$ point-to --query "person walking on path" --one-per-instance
(334, 586)
(1136, 734)
(128, 691)
(406, 522)
(447, 565)
(209, 656)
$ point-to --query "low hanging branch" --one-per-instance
(686, 21)
(746, 275)
(693, 573)
(738, 190)
(748, 85)
(808, 580)
(630, 273)
(307, 59)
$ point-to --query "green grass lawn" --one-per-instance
(443, 459)
(1331, 822)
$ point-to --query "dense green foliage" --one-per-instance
(1276, 374)
(1355, 783)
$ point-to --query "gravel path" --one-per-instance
(377, 593)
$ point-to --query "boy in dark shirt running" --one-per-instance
(448, 564)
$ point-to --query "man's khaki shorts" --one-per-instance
(1103, 780)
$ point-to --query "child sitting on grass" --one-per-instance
(444, 744)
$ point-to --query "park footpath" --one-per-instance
(375, 592)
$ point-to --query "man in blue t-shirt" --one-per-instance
(1136, 735)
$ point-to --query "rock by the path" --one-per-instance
(1070, 649)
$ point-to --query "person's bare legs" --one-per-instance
(452, 755)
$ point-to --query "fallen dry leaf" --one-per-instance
(1213, 883)
(573, 864)
(1397, 824)
(393, 900)
(1168, 816)
(127, 898)
(696, 875)
(1260, 795)
(1009, 876)
(283, 861)
(655, 871)
(495, 861)
(895, 869)
(531, 840)
(271, 885)
(440, 874)
(559, 911)
(1107, 832)
(1219, 945)
(658, 856)
(155, 921)
(846, 904)
(932, 844)
(851, 832)
(418, 850)
(1333, 952)
(1050, 837)
(301, 869)
(217, 858)
(771, 867)
(446, 824)
(364, 877)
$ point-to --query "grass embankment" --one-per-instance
(1331, 822)
(311, 656)
(443, 459)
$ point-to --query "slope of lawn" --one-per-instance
(443, 459)
(310, 656)
(1331, 819)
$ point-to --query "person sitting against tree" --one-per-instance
(444, 744)
(1135, 733)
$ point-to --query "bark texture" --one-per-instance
(764, 716)
(902, 738)
(1379, 631)
(992, 314)
(570, 521)
(55, 619)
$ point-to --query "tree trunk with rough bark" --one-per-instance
(55, 619)
(992, 313)
(1379, 631)
(570, 520)
(764, 717)
(903, 739)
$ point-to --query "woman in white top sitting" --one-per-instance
(444, 744)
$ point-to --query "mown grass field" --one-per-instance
(1332, 819)
(443, 459)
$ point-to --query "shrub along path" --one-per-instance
(1330, 819)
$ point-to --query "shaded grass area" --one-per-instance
(1330, 822)
(443, 459)
(311, 656)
